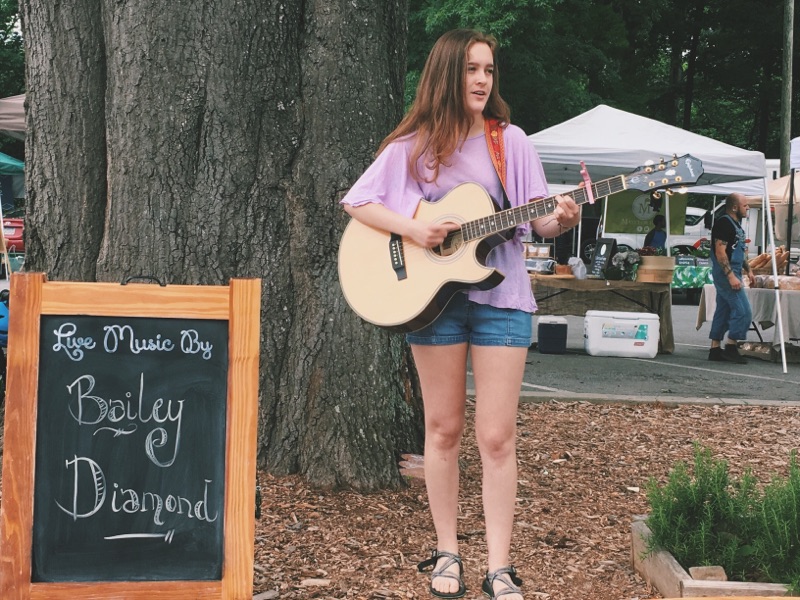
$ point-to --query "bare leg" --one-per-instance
(498, 378)
(443, 374)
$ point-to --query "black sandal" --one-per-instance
(512, 583)
(452, 559)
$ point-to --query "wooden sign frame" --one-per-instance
(31, 297)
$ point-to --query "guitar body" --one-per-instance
(394, 283)
(408, 297)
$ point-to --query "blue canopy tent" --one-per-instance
(11, 173)
(10, 165)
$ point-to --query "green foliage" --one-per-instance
(12, 59)
(12, 75)
(542, 87)
(703, 251)
(710, 67)
(709, 518)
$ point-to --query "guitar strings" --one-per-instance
(508, 219)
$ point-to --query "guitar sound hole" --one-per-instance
(451, 244)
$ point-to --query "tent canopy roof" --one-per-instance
(10, 165)
(779, 189)
(613, 142)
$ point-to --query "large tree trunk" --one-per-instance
(198, 141)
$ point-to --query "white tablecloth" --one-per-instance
(762, 301)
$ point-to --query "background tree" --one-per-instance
(712, 67)
(12, 73)
(198, 142)
(12, 56)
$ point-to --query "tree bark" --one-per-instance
(195, 142)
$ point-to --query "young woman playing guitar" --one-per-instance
(442, 142)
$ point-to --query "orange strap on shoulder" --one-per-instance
(497, 150)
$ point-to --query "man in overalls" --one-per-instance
(728, 265)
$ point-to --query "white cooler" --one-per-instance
(628, 334)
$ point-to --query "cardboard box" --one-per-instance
(648, 275)
(552, 335)
(626, 334)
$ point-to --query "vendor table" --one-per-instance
(556, 295)
(762, 302)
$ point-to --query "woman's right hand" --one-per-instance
(430, 235)
(424, 233)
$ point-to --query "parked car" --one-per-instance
(13, 228)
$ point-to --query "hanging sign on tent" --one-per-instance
(631, 212)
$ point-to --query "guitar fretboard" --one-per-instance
(507, 219)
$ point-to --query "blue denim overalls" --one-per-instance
(733, 311)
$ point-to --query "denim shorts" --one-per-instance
(479, 324)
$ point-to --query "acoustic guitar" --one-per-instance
(393, 282)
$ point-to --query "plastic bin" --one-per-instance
(552, 335)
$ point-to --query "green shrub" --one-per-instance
(708, 518)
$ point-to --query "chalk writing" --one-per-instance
(116, 337)
(192, 344)
(88, 409)
(129, 536)
(131, 433)
(128, 500)
(69, 344)
(117, 334)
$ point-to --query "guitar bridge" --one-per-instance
(397, 256)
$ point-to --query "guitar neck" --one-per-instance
(507, 219)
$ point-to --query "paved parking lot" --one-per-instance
(681, 377)
(684, 376)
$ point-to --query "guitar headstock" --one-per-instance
(675, 172)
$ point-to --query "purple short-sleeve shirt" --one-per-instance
(388, 181)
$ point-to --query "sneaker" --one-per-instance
(715, 354)
(731, 354)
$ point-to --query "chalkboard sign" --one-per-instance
(130, 449)
(604, 249)
(144, 473)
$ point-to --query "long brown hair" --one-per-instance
(439, 115)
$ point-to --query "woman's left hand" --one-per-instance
(567, 213)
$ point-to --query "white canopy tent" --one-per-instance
(613, 142)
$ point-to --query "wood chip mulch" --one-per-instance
(583, 470)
